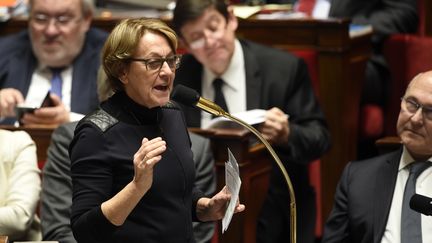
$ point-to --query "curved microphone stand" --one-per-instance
(214, 109)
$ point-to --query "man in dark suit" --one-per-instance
(58, 38)
(56, 199)
(369, 196)
(255, 76)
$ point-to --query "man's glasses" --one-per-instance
(155, 64)
(43, 20)
(412, 107)
(215, 29)
(200, 43)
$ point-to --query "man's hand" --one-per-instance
(9, 98)
(55, 115)
(275, 128)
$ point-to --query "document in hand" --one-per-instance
(233, 183)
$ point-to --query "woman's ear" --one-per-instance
(124, 77)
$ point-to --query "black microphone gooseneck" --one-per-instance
(421, 204)
(190, 97)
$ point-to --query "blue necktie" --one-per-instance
(411, 220)
(56, 81)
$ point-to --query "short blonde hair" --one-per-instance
(123, 42)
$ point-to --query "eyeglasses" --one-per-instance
(215, 29)
(155, 64)
(43, 20)
(412, 107)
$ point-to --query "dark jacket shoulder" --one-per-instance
(100, 119)
(96, 37)
(14, 42)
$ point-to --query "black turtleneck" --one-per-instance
(126, 110)
(102, 164)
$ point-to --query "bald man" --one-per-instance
(369, 197)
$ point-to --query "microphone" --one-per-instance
(190, 97)
(421, 204)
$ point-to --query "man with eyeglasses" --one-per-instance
(255, 76)
(58, 53)
(372, 197)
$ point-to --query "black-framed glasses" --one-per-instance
(214, 29)
(155, 64)
(413, 106)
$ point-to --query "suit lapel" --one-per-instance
(253, 78)
(384, 190)
(20, 77)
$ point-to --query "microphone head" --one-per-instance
(421, 204)
(185, 95)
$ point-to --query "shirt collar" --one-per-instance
(407, 159)
(44, 69)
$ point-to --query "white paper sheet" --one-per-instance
(233, 183)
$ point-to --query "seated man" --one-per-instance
(241, 75)
(373, 195)
(19, 186)
(58, 53)
(57, 186)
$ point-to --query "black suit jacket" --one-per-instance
(273, 79)
(17, 64)
(363, 200)
(277, 79)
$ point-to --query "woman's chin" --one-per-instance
(162, 101)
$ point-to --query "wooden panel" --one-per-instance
(388, 144)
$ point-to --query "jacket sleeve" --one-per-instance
(205, 180)
(57, 188)
(205, 174)
(309, 136)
